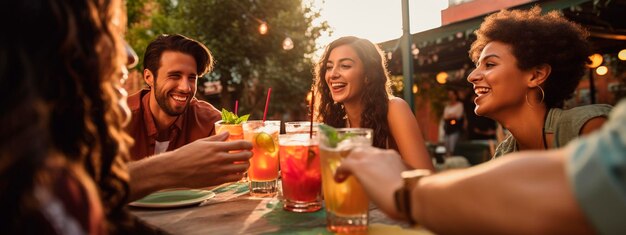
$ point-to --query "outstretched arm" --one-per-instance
(202, 163)
(525, 193)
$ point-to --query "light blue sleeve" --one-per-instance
(597, 173)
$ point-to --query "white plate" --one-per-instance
(174, 198)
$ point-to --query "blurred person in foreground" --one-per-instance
(63, 150)
(353, 89)
(167, 116)
(527, 64)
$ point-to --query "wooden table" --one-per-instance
(233, 211)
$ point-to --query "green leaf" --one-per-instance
(231, 118)
(242, 119)
(333, 137)
(224, 115)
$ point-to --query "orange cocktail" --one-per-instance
(263, 171)
(300, 173)
(347, 205)
(235, 131)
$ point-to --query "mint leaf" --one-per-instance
(224, 115)
(333, 137)
(231, 118)
(242, 119)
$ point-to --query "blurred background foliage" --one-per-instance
(247, 62)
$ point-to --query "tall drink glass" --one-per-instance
(235, 132)
(347, 204)
(300, 172)
(263, 171)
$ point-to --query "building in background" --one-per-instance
(441, 55)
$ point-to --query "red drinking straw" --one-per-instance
(267, 103)
(236, 106)
(312, 110)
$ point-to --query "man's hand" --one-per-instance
(208, 161)
(202, 163)
(378, 171)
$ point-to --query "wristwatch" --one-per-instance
(403, 194)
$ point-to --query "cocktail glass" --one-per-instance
(263, 171)
(300, 172)
(235, 131)
(347, 204)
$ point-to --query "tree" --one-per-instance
(146, 20)
(247, 63)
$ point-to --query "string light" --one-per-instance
(414, 50)
(287, 44)
(415, 89)
(622, 54)
(442, 77)
(263, 28)
(596, 60)
(602, 70)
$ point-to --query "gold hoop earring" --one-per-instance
(543, 96)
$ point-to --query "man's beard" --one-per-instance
(162, 101)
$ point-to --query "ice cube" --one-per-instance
(352, 142)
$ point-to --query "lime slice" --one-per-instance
(265, 142)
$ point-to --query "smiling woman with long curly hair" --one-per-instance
(353, 90)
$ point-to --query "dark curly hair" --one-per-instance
(375, 96)
(61, 69)
(538, 39)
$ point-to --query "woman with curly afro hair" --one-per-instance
(527, 65)
(353, 90)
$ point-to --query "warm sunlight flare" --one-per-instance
(375, 20)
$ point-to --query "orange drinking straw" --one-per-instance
(312, 110)
(267, 103)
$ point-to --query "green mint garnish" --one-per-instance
(231, 118)
(332, 136)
